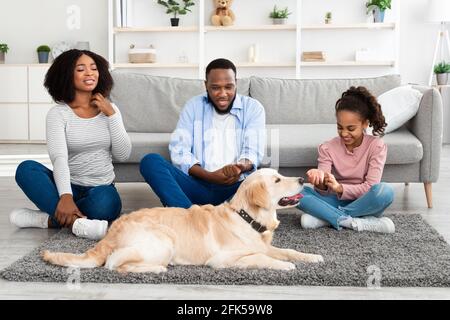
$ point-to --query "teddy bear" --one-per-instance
(222, 15)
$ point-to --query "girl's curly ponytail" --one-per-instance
(361, 101)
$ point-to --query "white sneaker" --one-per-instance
(90, 229)
(27, 218)
(374, 224)
(310, 222)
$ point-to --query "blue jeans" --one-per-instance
(333, 210)
(177, 189)
(38, 184)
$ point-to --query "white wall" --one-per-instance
(417, 42)
(25, 24)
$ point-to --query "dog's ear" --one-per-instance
(258, 195)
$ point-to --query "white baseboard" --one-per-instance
(9, 163)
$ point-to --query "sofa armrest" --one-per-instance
(427, 126)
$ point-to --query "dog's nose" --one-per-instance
(301, 180)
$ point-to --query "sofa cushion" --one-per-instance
(309, 101)
(403, 147)
(153, 104)
(144, 143)
(297, 145)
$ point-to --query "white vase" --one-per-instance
(441, 78)
(279, 21)
(253, 53)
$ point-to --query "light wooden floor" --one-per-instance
(15, 243)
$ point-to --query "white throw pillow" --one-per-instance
(399, 105)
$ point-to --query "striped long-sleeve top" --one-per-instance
(81, 149)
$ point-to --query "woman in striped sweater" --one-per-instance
(84, 132)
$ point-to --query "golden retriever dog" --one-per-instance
(235, 234)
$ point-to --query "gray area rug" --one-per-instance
(416, 255)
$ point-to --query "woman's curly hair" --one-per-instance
(59, 78)
(361, 101)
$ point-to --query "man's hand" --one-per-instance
(102, 104)
(67, 211)
(217, 177)
(227, 175)
(332, 184)
(232, 170)
(235, 170)
(245, 165)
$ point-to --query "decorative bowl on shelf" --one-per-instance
(60, 47)
(142, 55)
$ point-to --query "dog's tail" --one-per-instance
(92, 258)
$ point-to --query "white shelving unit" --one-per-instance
(386, 25)
(205, 37)
(267, 27)
(265, 65)
(24, 103)
(347, 63)
(156, 29)
(155, 65)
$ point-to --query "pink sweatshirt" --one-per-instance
(357, 171)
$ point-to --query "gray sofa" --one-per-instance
(299, 116)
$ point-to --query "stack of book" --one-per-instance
(313, 56)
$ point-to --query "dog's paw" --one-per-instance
(109, 264)
(153, 269)
(141, 269)
(315, 258)
(45, 255)
(286, 266)
(304, 257)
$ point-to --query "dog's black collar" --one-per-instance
(255, 225)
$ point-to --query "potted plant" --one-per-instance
(279, 16)
(174, 7)
(328, 17)
(3, 50)
(377, 8)
(43, 52)
(442, 69)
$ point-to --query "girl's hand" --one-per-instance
(102, 104)
(332, 184)
(315, 176)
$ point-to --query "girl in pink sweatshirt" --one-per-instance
(347, 183)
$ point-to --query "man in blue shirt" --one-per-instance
(218, 141)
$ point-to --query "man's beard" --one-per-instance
(217, 109)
